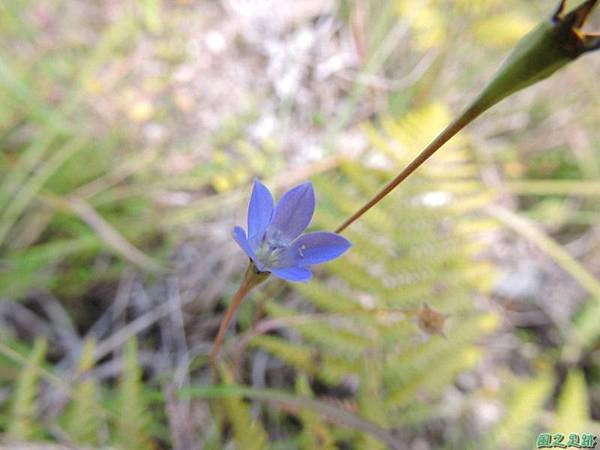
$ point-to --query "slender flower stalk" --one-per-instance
(548, 47)
(252, 278)
(458, 124)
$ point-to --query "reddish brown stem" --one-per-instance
(235, 303)
(252, 278)
(458, 124)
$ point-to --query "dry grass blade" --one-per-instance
(528, 230)
(107, 232)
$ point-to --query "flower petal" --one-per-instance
(260, 209)
(318, 247)
(293, 274)
(293, 213)
(240, 237)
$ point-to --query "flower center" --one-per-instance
(270, 253)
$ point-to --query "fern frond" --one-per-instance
(370, 398)
(133, 418)
(526, 401)
(572, 406)
(22, 424)
(83, 421)
(315, 433)
(248, 433)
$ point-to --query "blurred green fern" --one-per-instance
(133, 417)
(23, 422)
(83, 417)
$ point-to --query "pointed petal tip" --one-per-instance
(559, 11)
(576, 18)
(239, 235)
(307, 187)
(319, 247)
(260, 209)
(346, 241)
(294, 211)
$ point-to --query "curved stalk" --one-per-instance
(252, 278)
(451, 130)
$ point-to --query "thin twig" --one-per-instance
(458, 124)
(235, 303)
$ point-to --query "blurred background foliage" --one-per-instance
(129, 134)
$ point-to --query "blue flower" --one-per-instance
(274, 241)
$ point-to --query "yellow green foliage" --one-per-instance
(248, 433)
(133, 417)
(84, 415)
(23, 424)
